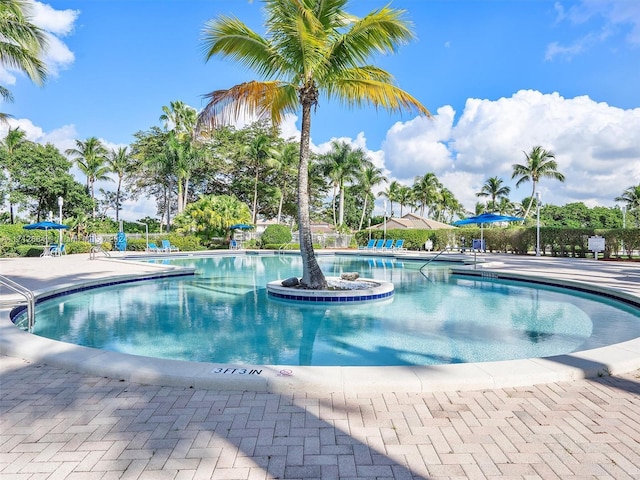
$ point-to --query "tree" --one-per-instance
(540, 163)
(119, 162)
(14, 137)
(391, 193)
(370, 176)
(259, 152)
(341, 164)
(426, 191)
(631, 197)
(312, 48)
(21, 45)
(494, 189)
(286, 162)
(91, 157)
(211, 216)
(404, 197)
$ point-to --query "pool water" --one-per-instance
(223, 315)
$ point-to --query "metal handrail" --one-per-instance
(431, 260)
(26, 293)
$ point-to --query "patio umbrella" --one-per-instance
(46, 226)
(240, 226)
(486, 218)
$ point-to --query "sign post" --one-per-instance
(596, 244)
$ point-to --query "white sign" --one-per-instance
(596, 244)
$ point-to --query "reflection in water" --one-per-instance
(223, 315)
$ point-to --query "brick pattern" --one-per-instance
(56, 424)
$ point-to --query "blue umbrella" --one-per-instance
(46, 225)
(240, 226)
(487, 218)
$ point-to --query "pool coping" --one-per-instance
(614, 359)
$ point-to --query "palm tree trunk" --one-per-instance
(364, 209)
(255, 198)
(341, 216)
(312, 276)
(533, 194)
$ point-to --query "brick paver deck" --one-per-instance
(56, 424)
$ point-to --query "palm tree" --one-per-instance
(631, 197)
(312, 48)
(404, 197)
(391, 193)
(493, 188)
(180, 120)
(90, 156)
(14, 137)
(342, 164)
(426, 191)
(21, 45)
(539, 163)
(285, 159)
(370, 176)
(259, 152)
(119, 162)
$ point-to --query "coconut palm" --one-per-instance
(119, 162)
(14, 137)
(180, 120)
(259, 151)
(540, 163)
(631, 197)
(426, 190)
(493, 187)
(21, 45)
(342, 164)
(391, 193)
(312, 48)
(370, 176)
(285, 160)
(90, 157)
(405, 197)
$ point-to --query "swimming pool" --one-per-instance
(223, 315)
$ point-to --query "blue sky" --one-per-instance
(499, 77)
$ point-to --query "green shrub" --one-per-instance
(29, 250)
(77, 247)
(275, 234)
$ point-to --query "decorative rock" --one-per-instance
(291, 282)
(349, 276)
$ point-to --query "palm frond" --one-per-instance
(251, 99)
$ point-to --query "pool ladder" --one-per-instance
(26, 293)
(431, 260)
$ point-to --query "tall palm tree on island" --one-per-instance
(539, 163)
(311, 48)
(631, 197)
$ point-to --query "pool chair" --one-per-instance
(379, 244)
(399, 246)
(167, 247)
(234, 245)
(57, 250)
(152, 247)
(388, 245)
(369, 246)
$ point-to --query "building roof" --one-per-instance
(413, 221)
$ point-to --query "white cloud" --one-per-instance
(56, 24)
(606, 18)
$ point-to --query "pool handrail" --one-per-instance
(26, 293)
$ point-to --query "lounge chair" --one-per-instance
(379, 244)
(152, 247)
(369, 246)
(167, 247)
(57, 250)
(388, 245)
(399, 246)
(233, 244)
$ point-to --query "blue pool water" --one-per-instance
(223, 315)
